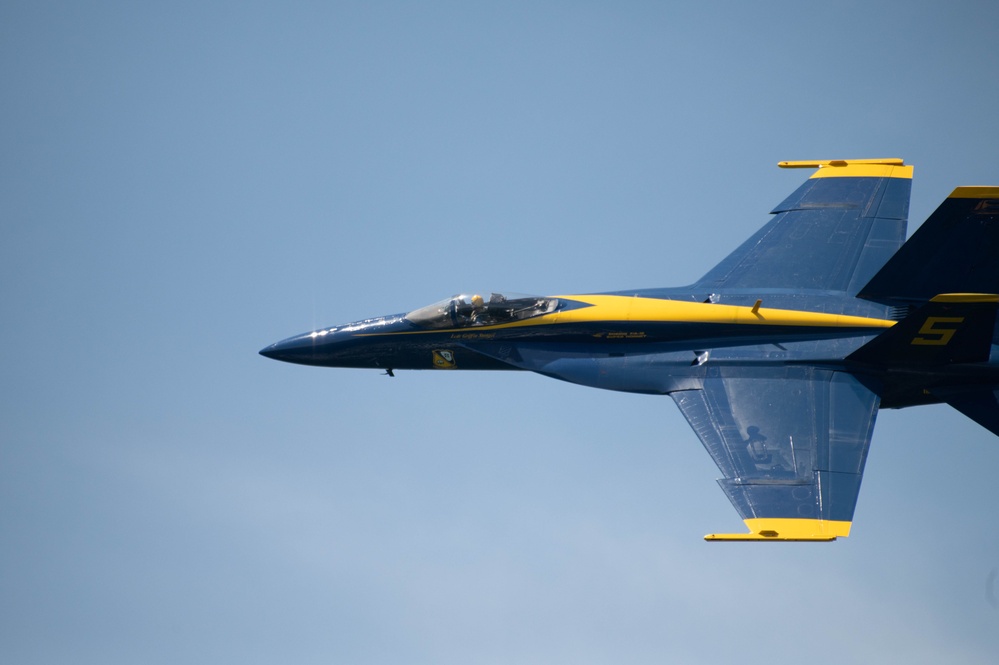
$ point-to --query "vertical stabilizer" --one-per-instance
(956, 250)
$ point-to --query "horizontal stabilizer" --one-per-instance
(980, 403)
(951, 328)
(956, 250)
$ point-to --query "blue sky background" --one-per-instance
(184, 183)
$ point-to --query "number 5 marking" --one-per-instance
(939, 336)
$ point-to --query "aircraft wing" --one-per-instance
(791, 444)
(833, 233)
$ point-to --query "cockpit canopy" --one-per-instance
(467, 310)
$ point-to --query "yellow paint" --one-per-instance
(779, 528)
(853, 168)
(940, 336)
(444, 359)
(654, 310)
(816, 163)
(965, 297)
(864, 171)
(625, 309)
(975, 193)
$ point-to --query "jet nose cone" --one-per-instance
(271, 352)
(299, 349)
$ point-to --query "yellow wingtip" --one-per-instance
(786, 529)
(891, 167)
(818, 163)
(757, 538)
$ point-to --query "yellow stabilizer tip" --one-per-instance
(965, 297)
(975, 193)
(762, 529)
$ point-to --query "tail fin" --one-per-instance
(833, 233)
(950, 328)
(955, 250)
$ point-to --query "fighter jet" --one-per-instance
(779, 357)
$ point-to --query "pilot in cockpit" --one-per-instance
(478, 308)
(469, 310)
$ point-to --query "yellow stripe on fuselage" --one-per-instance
(631, 308)
(634, 309)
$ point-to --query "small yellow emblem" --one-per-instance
(444, 359)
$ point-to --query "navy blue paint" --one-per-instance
(786, 412)
(955, 250)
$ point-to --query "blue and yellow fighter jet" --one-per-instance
(779, 357)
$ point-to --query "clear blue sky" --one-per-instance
(184, 183)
